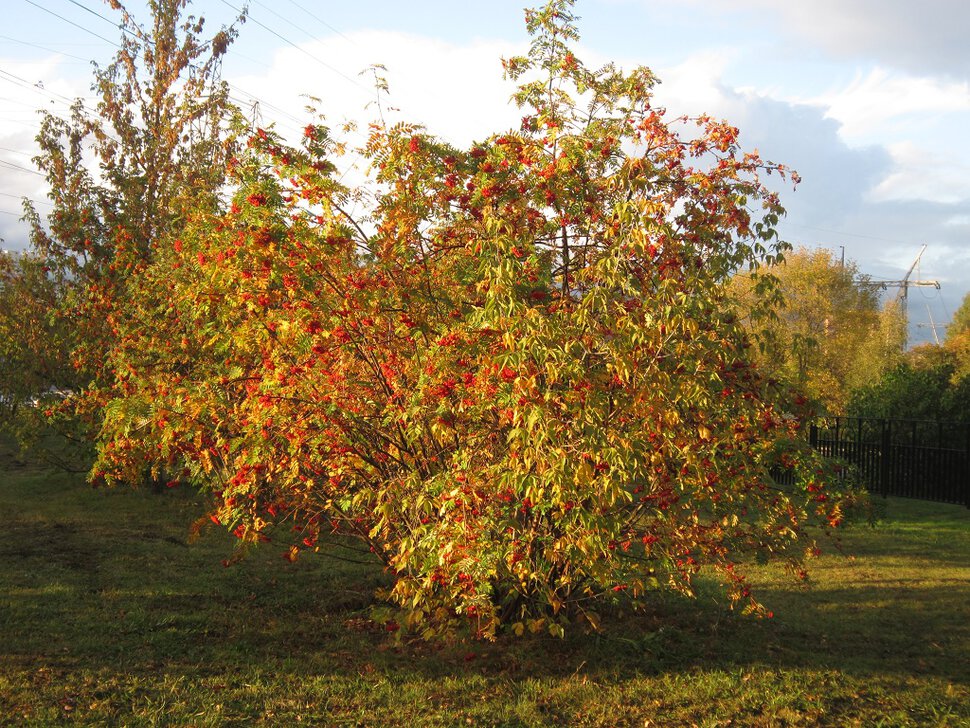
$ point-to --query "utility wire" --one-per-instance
(21, 123)
(318, 19)
(285, 20)
(24, 83)
(33, 202)
(851, 235)
(11, 165)
(302, 50)
(7, 101)
(96, 14)
(16, 151)
(253, 97)
(298, 27)
(44, 48)
(71, 22)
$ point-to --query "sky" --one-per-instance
(869, 100)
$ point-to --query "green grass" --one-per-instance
(108, 617)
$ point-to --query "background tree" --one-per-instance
(957, 343)
(916, 390)
(516, 381)
(961, 319)
(159, 138)
(35, 362)
(829, 335)
(930, 383)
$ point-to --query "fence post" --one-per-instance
(884, 464)
(858, 443)
(813, 436)
(966, 465)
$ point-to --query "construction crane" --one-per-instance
(902, 295)
(932, 325)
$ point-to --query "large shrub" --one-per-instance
(514, 377)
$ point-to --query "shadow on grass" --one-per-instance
(126, 595)
(105, 581)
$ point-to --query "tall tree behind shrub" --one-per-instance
(830, 334)
(159, 140)
(960, 323)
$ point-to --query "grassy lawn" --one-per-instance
(108, 617)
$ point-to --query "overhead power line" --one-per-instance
(24, 83)
(33, 202)
(850, 235)
(16, 151)
(302, 50)
(318, 19)
(44, 48)
(11, 165)
(71, 22)
(96, 14)
(285, 20)
(7, 101)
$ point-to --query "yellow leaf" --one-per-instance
(584, 473)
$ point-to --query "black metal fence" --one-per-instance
(929, 460)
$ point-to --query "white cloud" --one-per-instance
(456, 91)
(926, 36)
(914, 119)
(881, 96)
(695, 86)
(919, 174)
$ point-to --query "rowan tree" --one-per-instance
(516, 379)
